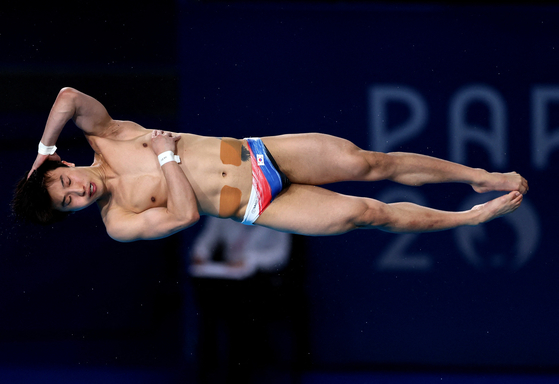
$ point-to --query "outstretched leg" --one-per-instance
(311, 210)
(318, 159)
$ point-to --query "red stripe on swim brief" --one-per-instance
(261, 184)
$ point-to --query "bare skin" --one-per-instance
(139, 199)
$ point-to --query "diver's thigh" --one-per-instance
(316, 159)
(311, 210)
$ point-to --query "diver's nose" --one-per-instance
(80, 191)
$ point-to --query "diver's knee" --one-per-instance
(373, 214)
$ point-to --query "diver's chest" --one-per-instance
(139, 192)
(132, 159)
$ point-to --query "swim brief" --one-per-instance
(267, 180)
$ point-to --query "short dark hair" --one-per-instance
(32, 202)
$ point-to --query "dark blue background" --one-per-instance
(73, 297)
(259, 70)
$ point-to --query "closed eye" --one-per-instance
(64, 202)
(64, 198)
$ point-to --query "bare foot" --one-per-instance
(498, 207)
(495, 181)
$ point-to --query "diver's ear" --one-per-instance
(71, 165)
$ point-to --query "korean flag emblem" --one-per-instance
(260, 159)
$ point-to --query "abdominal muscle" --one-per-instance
(221, 181)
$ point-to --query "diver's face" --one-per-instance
(73, 189)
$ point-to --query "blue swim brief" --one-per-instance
(267, 180)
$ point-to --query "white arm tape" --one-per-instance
(44, 150)
(167, 156)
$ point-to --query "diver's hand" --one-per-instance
(162, 141)
(40, 159)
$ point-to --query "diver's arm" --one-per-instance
(88, 114)
(182, 207)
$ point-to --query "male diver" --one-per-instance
(150, 184)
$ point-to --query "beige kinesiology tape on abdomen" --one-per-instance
(230, 151)
(229, 201)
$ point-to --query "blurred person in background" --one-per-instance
(249, 298)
